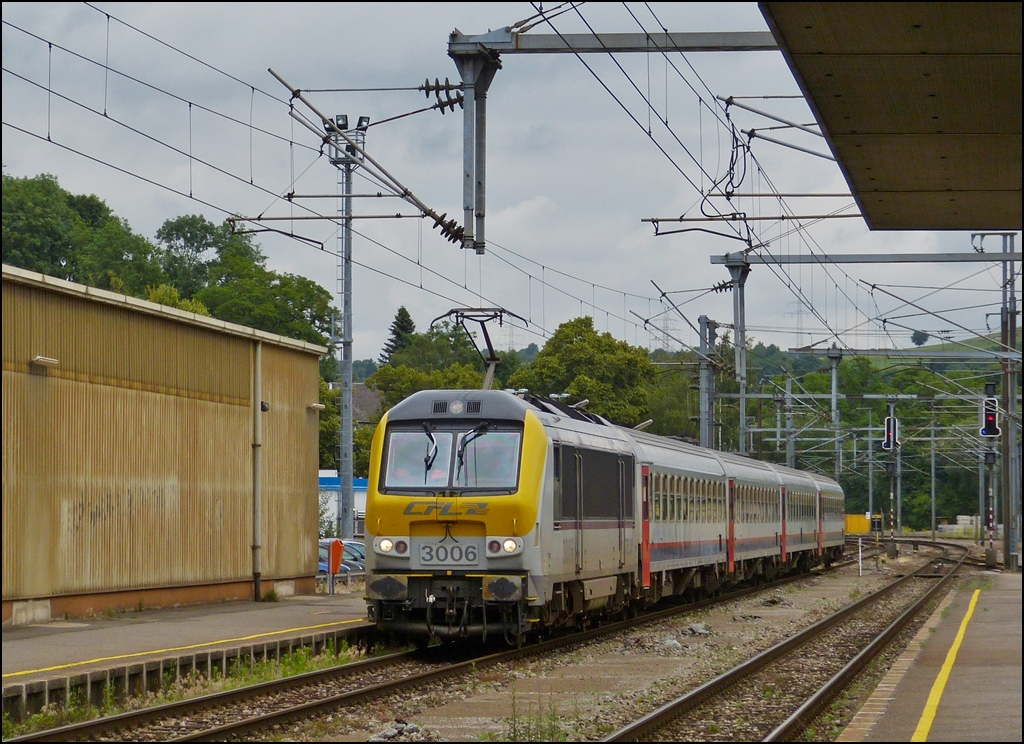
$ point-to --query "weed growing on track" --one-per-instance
(191, 685)
(543, 725)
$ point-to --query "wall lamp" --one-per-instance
(317, 406)
(43, 361)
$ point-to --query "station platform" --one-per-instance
(138, 650)
(960, 677)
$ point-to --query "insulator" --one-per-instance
(437, 87)
(426, 87)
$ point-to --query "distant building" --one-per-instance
(130, 454)
(365, 402)
(330, 486)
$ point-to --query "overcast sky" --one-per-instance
(571, 170)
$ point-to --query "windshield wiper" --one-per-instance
(431, 455)
(476, 432)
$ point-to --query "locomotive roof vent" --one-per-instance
(473, 406)
(440, 406)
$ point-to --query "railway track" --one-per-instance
(776, 695)
(249, 710)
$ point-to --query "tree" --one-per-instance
(41, 231)
(190, 243)
(325, 519)
(330, 422)
(396, 383)
(402, 328)
(240, 289)
(115, 258)
(577, 360)
(440, 347)
(919, 338)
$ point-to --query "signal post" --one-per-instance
(990, 430)
(891, 444)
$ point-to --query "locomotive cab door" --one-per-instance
(570, 498)
(625, 474)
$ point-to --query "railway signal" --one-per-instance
(990, 417)
(892, 433)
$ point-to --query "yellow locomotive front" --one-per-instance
(451, 515)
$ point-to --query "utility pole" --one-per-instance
(871, 472)
(933, 472)
(790, 429)
(739, 270)
(707, 382)
(346, 158)
(834, 357)
(899, 489)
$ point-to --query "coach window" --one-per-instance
(673, 490)
(677, 497)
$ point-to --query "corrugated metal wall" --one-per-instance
(128, 465)
(290, 475)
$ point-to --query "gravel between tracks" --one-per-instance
(586, 692)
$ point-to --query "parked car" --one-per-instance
(353, 556)
(356, 547)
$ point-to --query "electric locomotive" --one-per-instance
(490, 513)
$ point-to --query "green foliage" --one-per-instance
(242, 290)
(577, 360)
(362, 437)
(41, 231)
(330, 422)
(328, 526)
(919, 338)
(401, 329)
(396, 383)
(165, 294)
(196, 265)
(363, 368)
(441, 346)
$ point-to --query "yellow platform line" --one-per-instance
(178, 648)
(932, 706)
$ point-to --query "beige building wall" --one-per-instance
(127, 449)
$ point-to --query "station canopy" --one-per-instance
(920, 104)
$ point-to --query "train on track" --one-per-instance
(494, 513)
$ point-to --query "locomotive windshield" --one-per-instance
(418, 459)
(481, 458)
(487, 459)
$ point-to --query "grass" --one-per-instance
(192, 685)
(536, 723)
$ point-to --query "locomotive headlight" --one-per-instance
(502, 547)
(394, 547)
